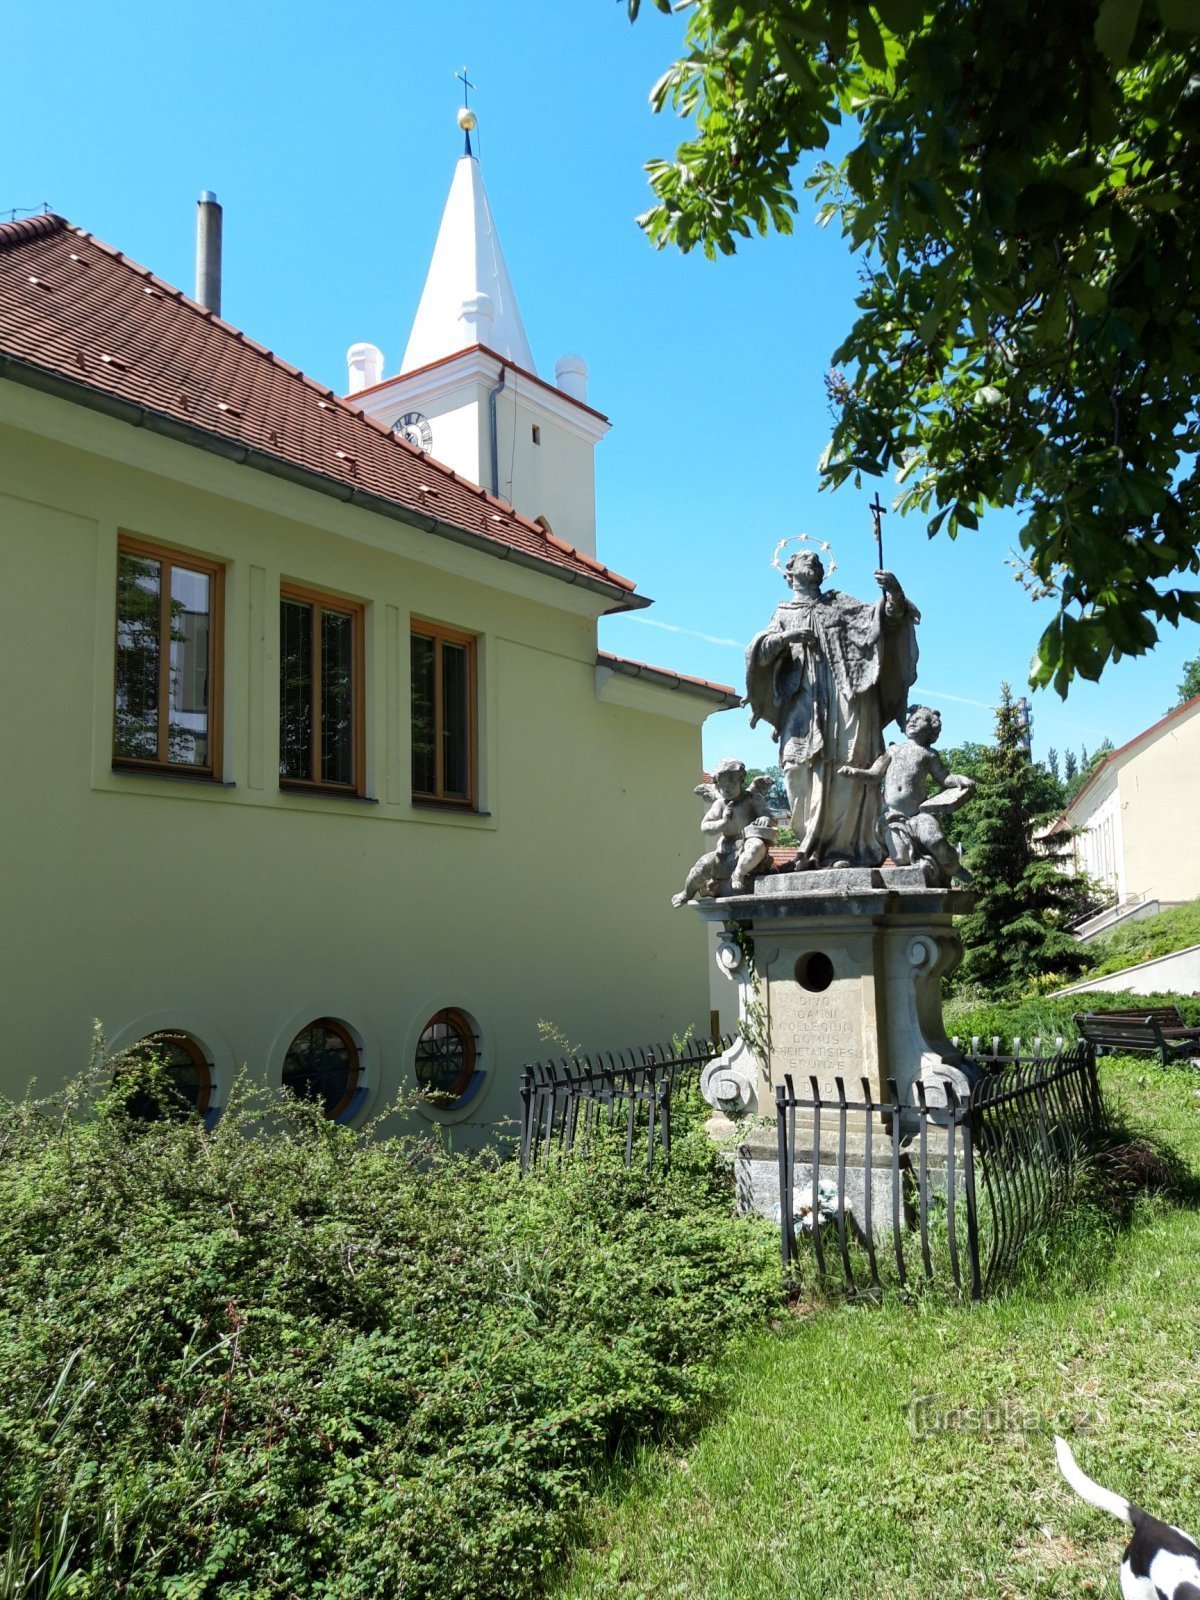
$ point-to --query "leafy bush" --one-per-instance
(281, 1358)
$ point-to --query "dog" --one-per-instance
(1161, 1562)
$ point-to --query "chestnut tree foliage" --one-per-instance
(1022, 186)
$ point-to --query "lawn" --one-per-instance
(907, 1451)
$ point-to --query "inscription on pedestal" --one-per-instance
(819, 1036)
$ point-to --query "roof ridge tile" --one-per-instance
(39, 227)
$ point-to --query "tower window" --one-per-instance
(537, 434)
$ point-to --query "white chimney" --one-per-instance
(366, 366)
(571, 376)
(476, 314)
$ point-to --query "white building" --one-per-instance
(1134, 817)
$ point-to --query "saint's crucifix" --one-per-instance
(878, 512)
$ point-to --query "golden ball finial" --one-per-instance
(467, 120)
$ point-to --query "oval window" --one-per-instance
(323, 1063)
(448, 1058)
(187, 1066)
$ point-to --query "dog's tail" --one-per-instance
(1086, 1489)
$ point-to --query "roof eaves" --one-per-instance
(480, 349)
(1126, 749)
(719, 693)
(133, 412)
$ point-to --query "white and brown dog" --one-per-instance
(1161, 1562)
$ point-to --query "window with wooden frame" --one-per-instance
(167, 703)
(324, 1064)
(448, 1071)
(186, 1064)
(443, 715)
(320, 692)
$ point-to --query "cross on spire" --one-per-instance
(466, 117)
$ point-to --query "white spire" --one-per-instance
(468, 296)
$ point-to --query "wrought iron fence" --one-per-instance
(565, 1103)
(969, 1182)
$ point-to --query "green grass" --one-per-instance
(815, 1479)
(1146, 939)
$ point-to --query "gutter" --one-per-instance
(664, 678)
(139, 416)
(492, 395)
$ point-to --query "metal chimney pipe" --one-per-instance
(208, 252)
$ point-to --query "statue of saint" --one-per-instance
(829, 673)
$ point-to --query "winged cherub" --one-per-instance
(744, 826)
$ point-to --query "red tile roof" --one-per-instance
(77, 312)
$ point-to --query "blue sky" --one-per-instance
(328, 133)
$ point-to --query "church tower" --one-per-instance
(468, 390)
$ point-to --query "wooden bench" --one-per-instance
(1158, 1030)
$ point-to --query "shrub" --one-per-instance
(281, 1358)
(972, 1013)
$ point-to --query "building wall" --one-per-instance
(1133, 825)
(1098, 844)
(240, 913)
(1159, 783)
(553, 476)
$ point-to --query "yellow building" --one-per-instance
(312, 763)
(1132, 818)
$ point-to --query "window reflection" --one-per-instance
(443, 714)
(319, 692)
(165, 659)
(322, 1064)
(447, 1053)
(139, 583)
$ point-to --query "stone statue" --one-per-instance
(829, 673)
(744, 826)
(911, 828)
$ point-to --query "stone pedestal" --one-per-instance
(844, 981)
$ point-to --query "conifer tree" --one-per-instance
(1017, 930)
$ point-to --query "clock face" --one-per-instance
(415, 428)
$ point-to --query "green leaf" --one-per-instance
(1181, 14)
(901, 16)
(870, 40)
(1115, 28)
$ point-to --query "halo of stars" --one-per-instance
(818, 545)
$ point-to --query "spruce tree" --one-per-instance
(1017, 930)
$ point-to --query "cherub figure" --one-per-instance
(744, 826)
(910, 827)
